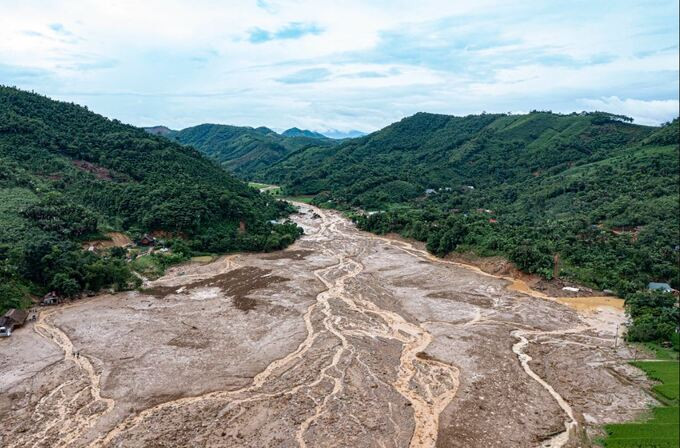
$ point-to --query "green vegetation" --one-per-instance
(591, 190)
(154, 265)
(655, 317)
(273, 190)
(66, 174)
(667, 373)
(243, 150)
(303, 199)
(659, 351)
(258, 185)
(660, 430)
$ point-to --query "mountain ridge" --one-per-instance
(245, 151)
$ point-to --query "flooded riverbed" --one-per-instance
(345, 339)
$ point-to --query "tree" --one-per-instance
(65, 285)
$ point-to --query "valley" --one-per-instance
(297, 224)
(343, 339)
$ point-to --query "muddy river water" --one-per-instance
(345, 339)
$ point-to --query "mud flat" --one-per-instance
(345, 339)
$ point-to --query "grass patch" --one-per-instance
(154, 265)
(203, 259)
(304, 199)
(273, 190)
(660, 352)
(258, 185)
(148, 266)
(661, 429)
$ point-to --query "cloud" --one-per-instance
(356, 64)
(368, 74)
(20, 74)
(294, 30)
(60, 29)
(305, 76)
(650, 112)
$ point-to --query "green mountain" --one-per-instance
(295, 132)
(67, 175)
(243, 150)
(432, 151)
(591, 190)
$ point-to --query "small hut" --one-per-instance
(147, 240)
(12, 319)
(51, 298)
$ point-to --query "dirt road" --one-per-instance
(345, 339)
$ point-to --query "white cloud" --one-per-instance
(644, 112)
(362, 63)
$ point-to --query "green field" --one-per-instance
(274, 190)
(659, 351)
(667, 373)
(304, 199)
(661, 429)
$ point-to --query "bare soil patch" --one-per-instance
(287, 255)
(99, 171)
(116, 239)
(238, 283)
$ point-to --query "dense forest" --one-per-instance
(245, 151)
(68, 175)
(591, 190)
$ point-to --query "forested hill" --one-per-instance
(433, 151)
(243, 150)
(67, 174)
(593, 189)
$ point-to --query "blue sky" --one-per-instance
(347, 65)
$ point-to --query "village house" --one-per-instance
(147, 240)
(664, 287)
(12, 319)
(51, 298)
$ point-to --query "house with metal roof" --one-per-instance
(664, 287)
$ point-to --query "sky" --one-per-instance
(342, 65)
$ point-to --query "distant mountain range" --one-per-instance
(295, 132)
(247, 151)
(243, 150)
(341, 135)
(331, 133)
